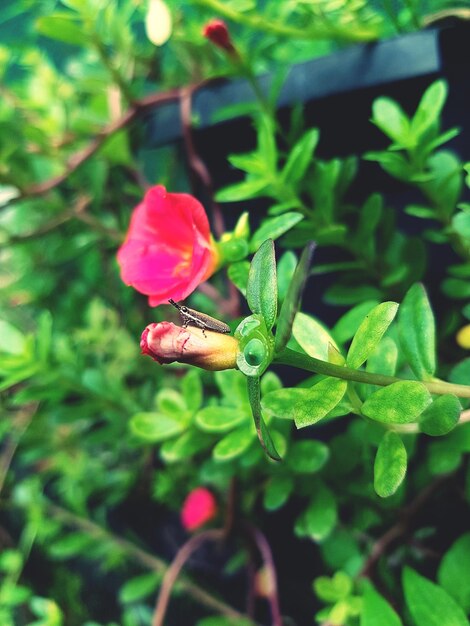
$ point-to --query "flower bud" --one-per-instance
(217, 32)
(166, 343)
(199, 507)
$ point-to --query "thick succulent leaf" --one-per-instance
(305, 406)
(261, 428)
(416, 330)
(429, 604)
(261, 291)
(399, 403)
(370, 332)
(390, 465)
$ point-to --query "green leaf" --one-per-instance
(170, 402)
(233, 444)
(393, 163)
(300, 157)
(191, 387)
(429, 109)
(62, 27)
(261, 429)
(429, 604)
(390, 118)
(390, 465)
(312, 336)
(453, 571)
(291, 303)
(384, 358)
(370, 332)
(185, 446)
(343, 294)
(461, 224)
(219, 419)
(443, 457)
(305, 406)
(250, 162)
(44, 336)
(285, 271)
(399, 403)
(238, 274)
(261, 291)
(441, 417)
(307, 457)
(246, 190)
(445, 186)
(376, 610)
(267, 148)
(332, 589)
(370, 215)
(71, 545)
(274, 227)
(456, 288)
(416, 330)
(347, 325)
(277, 492)
(319, 519)
(139, 587)
(418, 210)
(155, 427)
(12, 340)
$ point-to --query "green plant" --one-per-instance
(360, 460)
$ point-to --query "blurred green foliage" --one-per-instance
(99, 446)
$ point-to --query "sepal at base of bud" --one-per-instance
(256, 346)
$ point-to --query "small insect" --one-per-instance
(190, 317)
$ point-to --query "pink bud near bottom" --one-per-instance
(199, 508)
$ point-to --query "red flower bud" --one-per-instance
(168, 250)
(217, 32)
(165, 343)
(199, 507)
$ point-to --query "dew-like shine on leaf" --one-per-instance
(399, 403)
(370, 332)
(261, 291)
(416, 330)
(390, 465)
(305, 406)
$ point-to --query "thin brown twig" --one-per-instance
(78, 211)
(21, 422)
(138, 108)
(267, 556)
(401, 527)
(142, 557)
(175, 568)
(196, 164)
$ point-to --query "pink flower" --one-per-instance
(168, 249)
(199, 507)
(217, 32)
(166, 343)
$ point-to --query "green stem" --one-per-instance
(143, 558)
(310, 364)
(258, 21)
